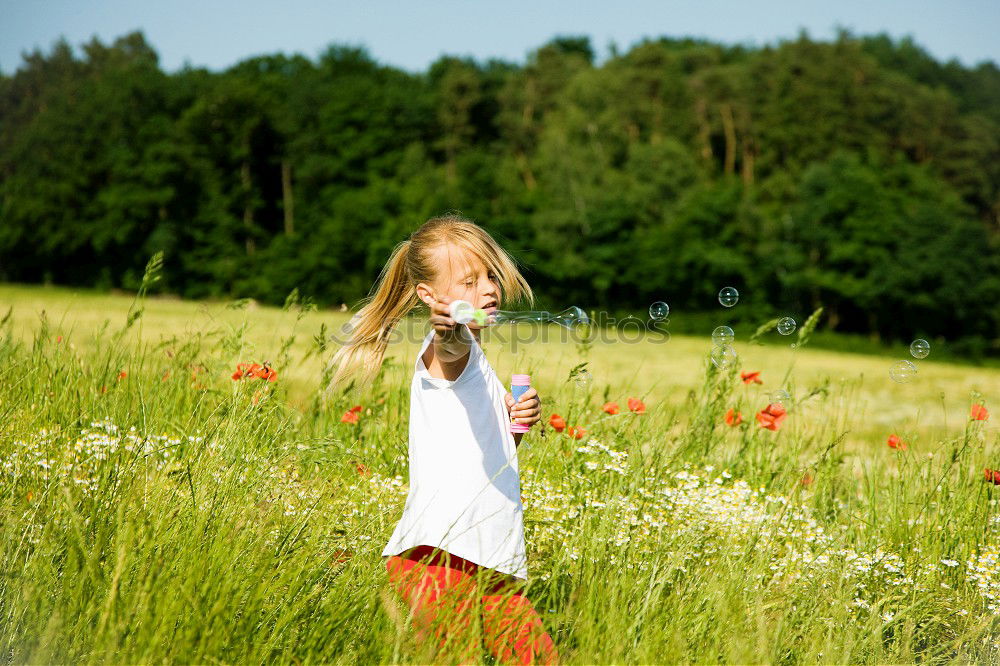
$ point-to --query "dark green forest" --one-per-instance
(859, 174)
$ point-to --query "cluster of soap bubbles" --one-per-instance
(723, 353)
(583, 379)
(903, 371)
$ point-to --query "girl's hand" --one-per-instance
(441, 318)
(528, 410)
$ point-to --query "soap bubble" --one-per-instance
(584, 379)
(570, 317)
(723, 335)
(786, 325)
(728, 296)
(920, 348)
(723, 356)
(902, 371)
(659, 311)
(779, 397)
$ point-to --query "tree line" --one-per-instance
(859, 174)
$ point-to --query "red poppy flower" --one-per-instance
(340, 557)
(895, 442)
(576, 432)
(637, 406)
(362, 469)
(611, 407)
(751, 378)
(255, 371)
(771, 416)
(165, 377)
(122, 375)
(268, 373)
(350, 416)
(992, 475)
(557, 422)
(58, 339)
(356, 408)
(245, 370)
(733, 418)
(806, 479)
(979, 413)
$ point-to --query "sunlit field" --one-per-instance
(157, 509)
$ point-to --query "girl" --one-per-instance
(457, 554)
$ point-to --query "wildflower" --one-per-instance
(806, 480)
(611, 407)
(362, 469)
(165, 377)
(340, 557)
(771, 416)
(350, 416)
(557, 422)
(992, 475)
(733, 418)
(122, 375)
(245, 370)
(979, 413)
(255, 371)
(895, 442)
(637, 406)
(576, 432)
(356, 409)
(751, 377)
(58, 339)
(949, 563)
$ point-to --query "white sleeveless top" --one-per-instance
(465, 490)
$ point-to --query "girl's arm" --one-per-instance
(527, 411)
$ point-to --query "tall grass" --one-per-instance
(172, 513)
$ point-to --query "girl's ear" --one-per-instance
(425, 293)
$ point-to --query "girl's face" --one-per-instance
(461, 275)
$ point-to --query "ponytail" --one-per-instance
(393, 296)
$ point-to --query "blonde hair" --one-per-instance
(394, 295)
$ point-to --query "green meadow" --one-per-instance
(157, 510)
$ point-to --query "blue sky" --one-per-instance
(219, 33)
